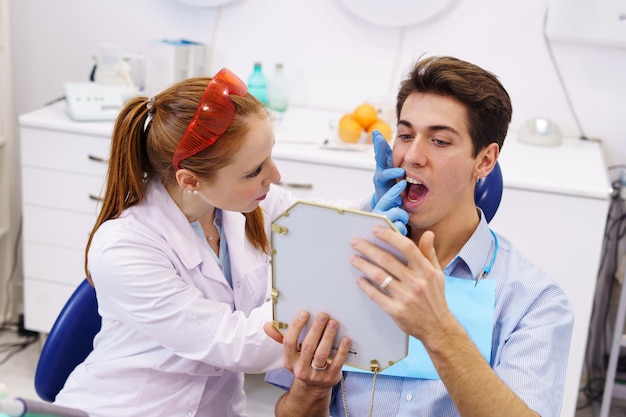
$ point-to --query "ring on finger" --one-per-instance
(386, 282)
(317, 368)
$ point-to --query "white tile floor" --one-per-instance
(18, 372)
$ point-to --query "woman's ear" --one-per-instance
(186, 180)
(486, 160)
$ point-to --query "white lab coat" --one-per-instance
(175, 338)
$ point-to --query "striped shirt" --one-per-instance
(530, 345)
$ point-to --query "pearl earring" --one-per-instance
(195, 192)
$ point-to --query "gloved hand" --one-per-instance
(385, 175)
(390, 206)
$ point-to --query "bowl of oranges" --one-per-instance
(357, 126)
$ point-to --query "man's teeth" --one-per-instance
(412, 181)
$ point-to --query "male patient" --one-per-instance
(453, 117)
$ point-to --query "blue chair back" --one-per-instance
(488, 193)
(69, 342)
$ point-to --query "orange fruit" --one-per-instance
(349, 129)
(365, 114)
(382, 127)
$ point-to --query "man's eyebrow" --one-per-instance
(438, 128)
(434, 128)
(405, 123)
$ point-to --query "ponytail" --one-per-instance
(125, 182)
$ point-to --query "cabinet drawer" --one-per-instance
(64, 151)
(43, 301)
(57, 227)
(61, 190)
(52, 263)
(310, 181)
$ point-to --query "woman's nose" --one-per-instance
(274, 173)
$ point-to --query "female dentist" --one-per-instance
(179, 256)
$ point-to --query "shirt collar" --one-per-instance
(475, 255)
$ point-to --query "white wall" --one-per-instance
(334, 60)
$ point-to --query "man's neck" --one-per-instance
(450, 236)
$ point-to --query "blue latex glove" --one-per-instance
(385, 175)
(390, 206)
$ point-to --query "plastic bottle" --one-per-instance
(278, 89)
(257, 83)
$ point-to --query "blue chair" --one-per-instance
(69, 342)
(488, 192)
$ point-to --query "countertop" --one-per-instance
(576, 167)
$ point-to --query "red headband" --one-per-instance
(213, 116)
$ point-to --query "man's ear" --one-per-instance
(486, 160)
(186, 180)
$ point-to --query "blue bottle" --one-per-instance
(257, 83)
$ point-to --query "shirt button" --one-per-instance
(238, 284)
(409, 396)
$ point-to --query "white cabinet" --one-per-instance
(554, 206)
(309, 180)
(63, 166)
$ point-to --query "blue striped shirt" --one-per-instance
(530, 345)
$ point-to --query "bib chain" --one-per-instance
(344, 398)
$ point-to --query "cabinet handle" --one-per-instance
(98, 159)
(96, 198)
(299, 186)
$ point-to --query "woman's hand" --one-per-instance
(390, 206)
(385, 175)
(311, 360)
(315, 370)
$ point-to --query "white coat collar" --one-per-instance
(177, 231)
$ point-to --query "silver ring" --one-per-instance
(386, 282)
(317, 368)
